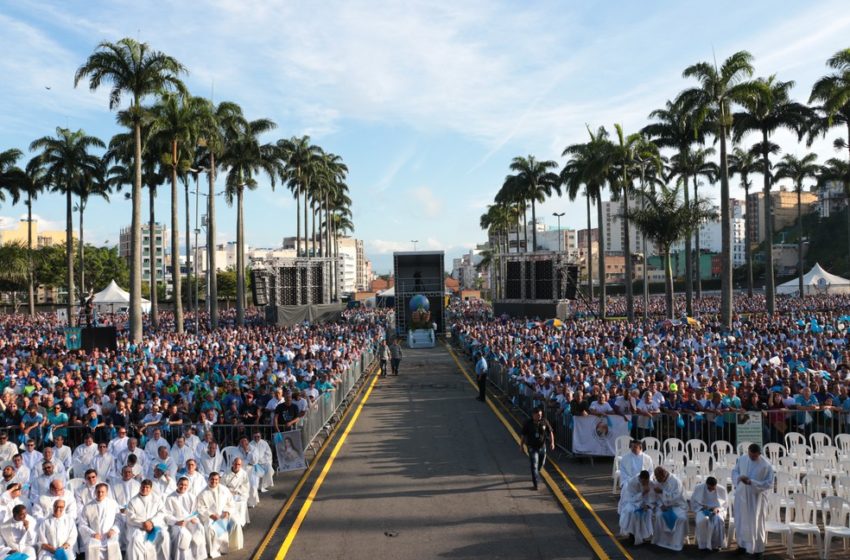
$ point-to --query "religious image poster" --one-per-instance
(290, 452)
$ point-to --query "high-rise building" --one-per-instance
(18, 233)
(784, 207)
(158, 259)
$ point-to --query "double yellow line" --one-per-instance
(553, 485)
(302, 514)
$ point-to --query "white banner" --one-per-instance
(290, 453)
(593, 435)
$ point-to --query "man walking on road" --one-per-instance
(481, 374)
(537, 435)
(395, 355)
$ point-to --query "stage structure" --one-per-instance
(295, 290)
(540, 284)
(420, 295)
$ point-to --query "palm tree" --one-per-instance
(744, 163)
(246, 157)
(66, 163)
(833, 94)
(95, 183)
(719, 89)
(768, 110)
(837, 170)
(666, 220)
(511, 196)
(9, 174)
(133, 69)
(300, 160)
(176, 123)
(15, 268)
(798, 170)
(535, 182)
(30, 181)
(497, 222)
(676, 127)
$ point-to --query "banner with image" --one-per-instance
(593, 435)
(290, 452)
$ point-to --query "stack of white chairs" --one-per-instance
(836, 522)
(621, 447)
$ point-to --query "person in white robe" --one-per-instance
(100, 531)
(133, 449)
(32, 457)
(751, 477)
(57, 531)
(633, 462)
(22, 472)
(83, 455)
(192, 439)
(211, 460)
(11, 497)
(58, 466)
(148, 537)
(119, 444)
(20, 534)
(637, 500)
(40, 485)
(197, 482)
(103, 462)
(180, 453)
(163, 483)
(7, 448)
(88, 490)
(153, 444)
(708, 502)
(236, 480)
(63, 453)
(44, 507)
(671, 514)
(188, 536)
(163, 458)
(262, 457)
(124, 490)
(215, 506)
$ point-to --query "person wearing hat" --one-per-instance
(537, 436)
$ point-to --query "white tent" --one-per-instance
(113, 298)
(816, 281)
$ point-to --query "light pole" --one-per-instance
(414, 241)
(197, 192)
(558, 215)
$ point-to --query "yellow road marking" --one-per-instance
(302, 514)
(559, 495)
(292, 496)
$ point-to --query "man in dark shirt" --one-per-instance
(285, 414)
(537, 435)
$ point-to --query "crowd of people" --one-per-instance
(156, 449)
(682, 378)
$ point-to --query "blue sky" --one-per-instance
(426, 101)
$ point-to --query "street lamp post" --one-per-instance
(558, 215)
(414, 241)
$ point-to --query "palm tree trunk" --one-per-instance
(748, 249)
(30, 272)
(601, 227)
(589, 252)
(188, 251)
(769, 287)
(689, 277)
(82, 251)
(668, 283)
(306, 232)
(298, 220)
(136, 238)
(240, 259)
(213, 295)
(69, 256)
(525, 226)
(697, 253)
(800, 240)
(152, 259)
(336, 260)
(533, 226)
(725, 237)
(630, 302)
(313, 228)
(176, 279)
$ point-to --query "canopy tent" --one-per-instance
(816, 281)
(113, 298)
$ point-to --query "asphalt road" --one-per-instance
(429, 472)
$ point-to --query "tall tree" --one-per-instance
(744, 163)
(712, 101)
(66, 162)
(798, 170)
(30, 183)
(94, 183)
(832, 92)
(666, 220)
(535, 182)
(132, 68)
(246, 157)
(301, 160)
(766, 111)
(838, 170)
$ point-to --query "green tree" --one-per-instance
(712, 102)
(667, 220)
(535, 182)
(246, 157)
(66, 163)
(104, 265)
(765, 112)
(798, 170)
(94, 183)
(837, 170)
(301, 160)
(132, 69)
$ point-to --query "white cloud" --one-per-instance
(428, 203)
(384, 247)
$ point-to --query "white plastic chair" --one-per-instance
(742, 447)
(675, 459)
(836, 522)
(842, 442)
(621, 445)
(694, 446)
(229, 453)
(723, 476)
(775, 523)
(730, 518)
(805, 511)
(794, 438)
(650, 442)
(75, 484)
(824, 467)
(724, 453)
(773, 452)
(817, 486)
(701, 459)
(690, 479)
(673, 444)
(842, 486)
(818, 440)
(655, 455)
